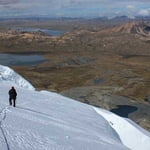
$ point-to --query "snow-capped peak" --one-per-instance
(7, 74)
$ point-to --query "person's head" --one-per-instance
(12, 87)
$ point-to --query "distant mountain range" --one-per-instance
(117, 18)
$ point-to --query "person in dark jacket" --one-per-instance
(12, 96)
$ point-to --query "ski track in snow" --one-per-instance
(3, 117)
(20, 137)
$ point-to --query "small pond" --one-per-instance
(98, 81)
(124, 110)
(21, 59)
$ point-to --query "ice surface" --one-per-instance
(132, 135)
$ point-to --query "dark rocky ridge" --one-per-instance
(123, 106)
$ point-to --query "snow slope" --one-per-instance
(49, 121)
(130, 133)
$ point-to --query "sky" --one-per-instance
(74, 8)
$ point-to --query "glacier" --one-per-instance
(45, 120)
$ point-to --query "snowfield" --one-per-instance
(48, 121)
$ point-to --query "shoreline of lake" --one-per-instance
(47, 32)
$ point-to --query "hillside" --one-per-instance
(140, 28)
(103, 65)
(128, 27)
(47, 121)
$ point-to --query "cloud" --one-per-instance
(77, 8)
(144, 12)
(131, 7)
